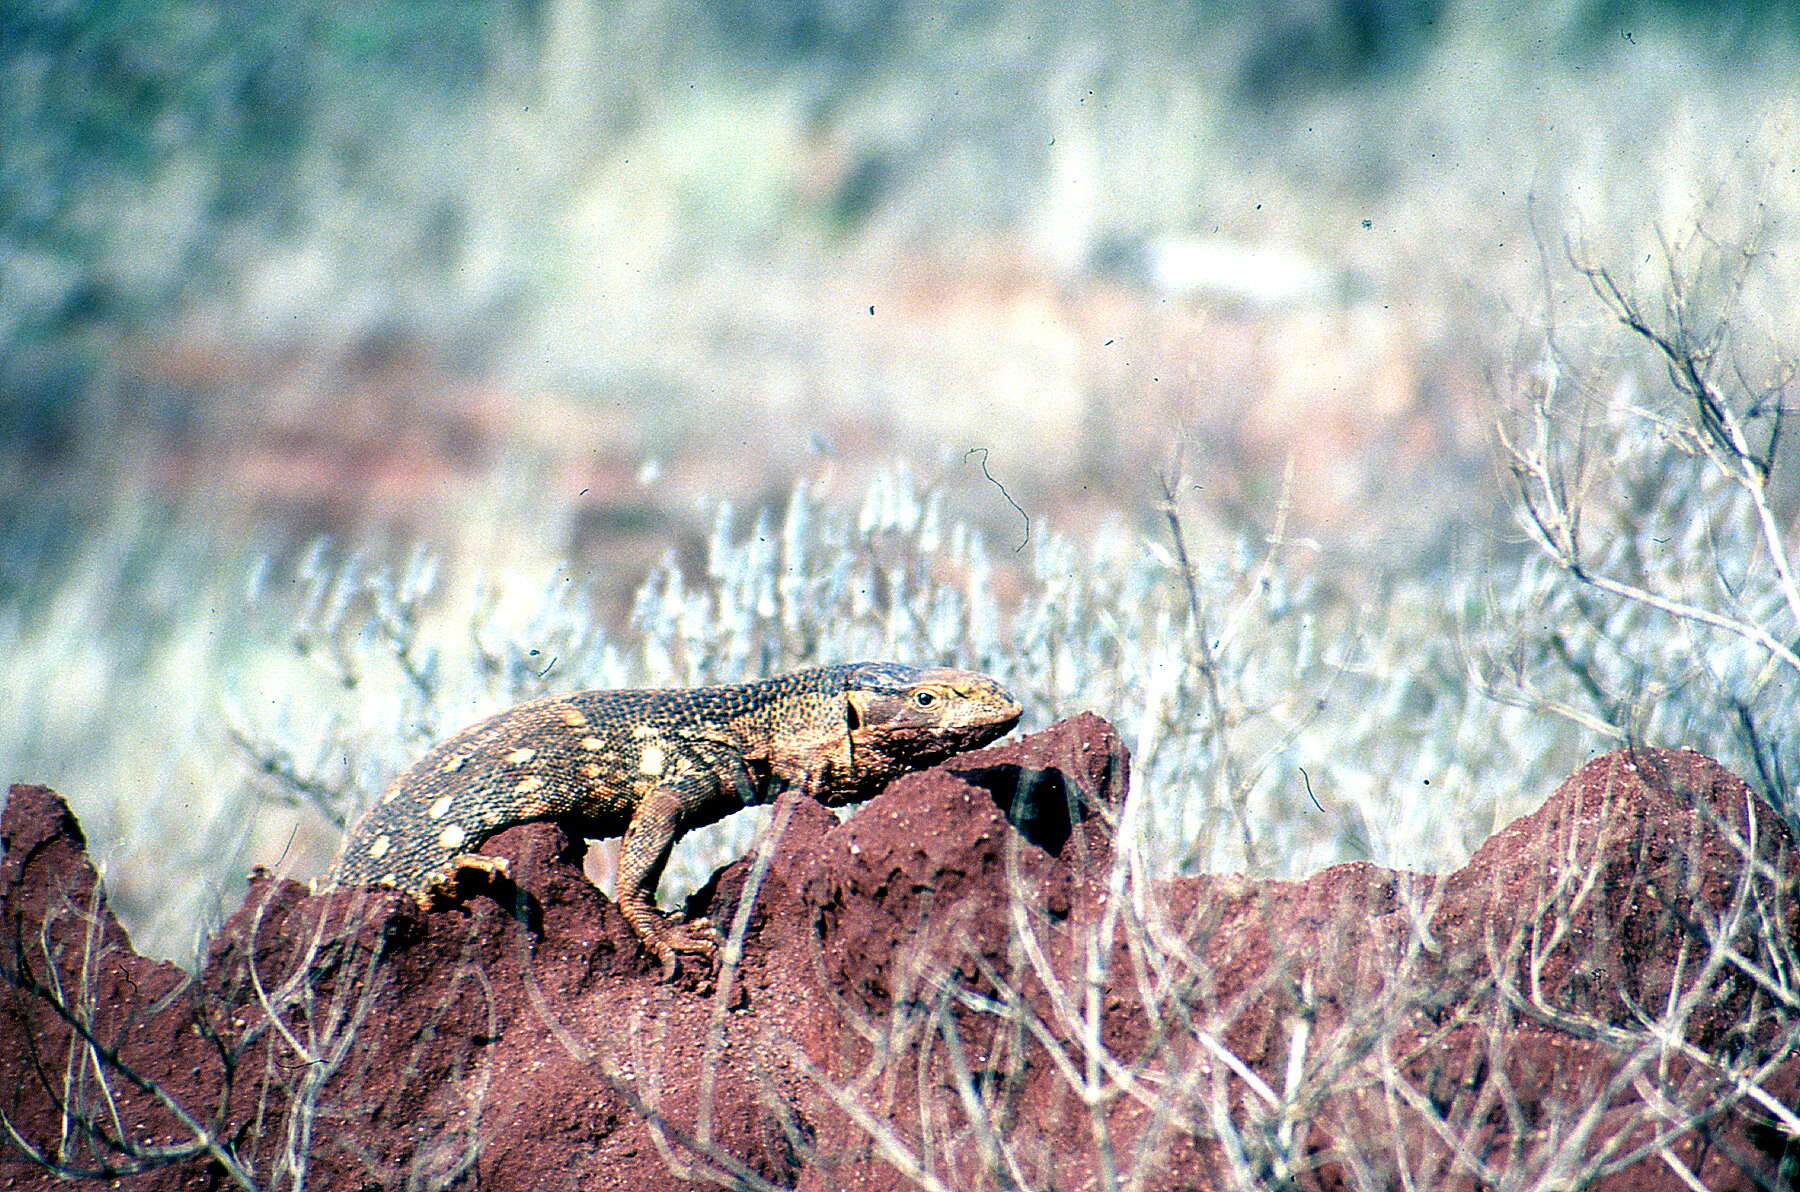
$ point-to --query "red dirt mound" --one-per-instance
(962, 986)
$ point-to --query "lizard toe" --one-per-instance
(669, 938)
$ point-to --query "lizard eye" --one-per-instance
(924, 698)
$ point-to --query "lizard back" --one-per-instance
(586, 757)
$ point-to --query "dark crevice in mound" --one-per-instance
(1042, 804)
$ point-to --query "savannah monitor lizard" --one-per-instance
(651, 766)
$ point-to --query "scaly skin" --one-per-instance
(651, 766)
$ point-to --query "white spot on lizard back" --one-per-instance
(452, 837)
(651, 763)
(440, 808)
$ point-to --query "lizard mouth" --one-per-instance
(998, 724)
(987, 724)
(986, 705)
(1004, 713)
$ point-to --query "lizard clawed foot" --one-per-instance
(668, 938)
(493, 867)
(448, 885)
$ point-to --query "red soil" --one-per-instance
(928, 986)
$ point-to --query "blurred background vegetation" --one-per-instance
(364, 367)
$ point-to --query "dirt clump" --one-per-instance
(963, 985)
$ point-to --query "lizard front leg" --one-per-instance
(652, 832)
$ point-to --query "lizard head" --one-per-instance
(905, 718)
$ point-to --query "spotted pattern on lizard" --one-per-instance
(650, 766)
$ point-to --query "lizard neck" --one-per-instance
(791, 730)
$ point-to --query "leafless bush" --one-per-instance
(1667, 611)
(285, 1049)
(76, 1036)
(1547, 1055)
(1665, 605)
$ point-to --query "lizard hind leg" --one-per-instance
(643, 853)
